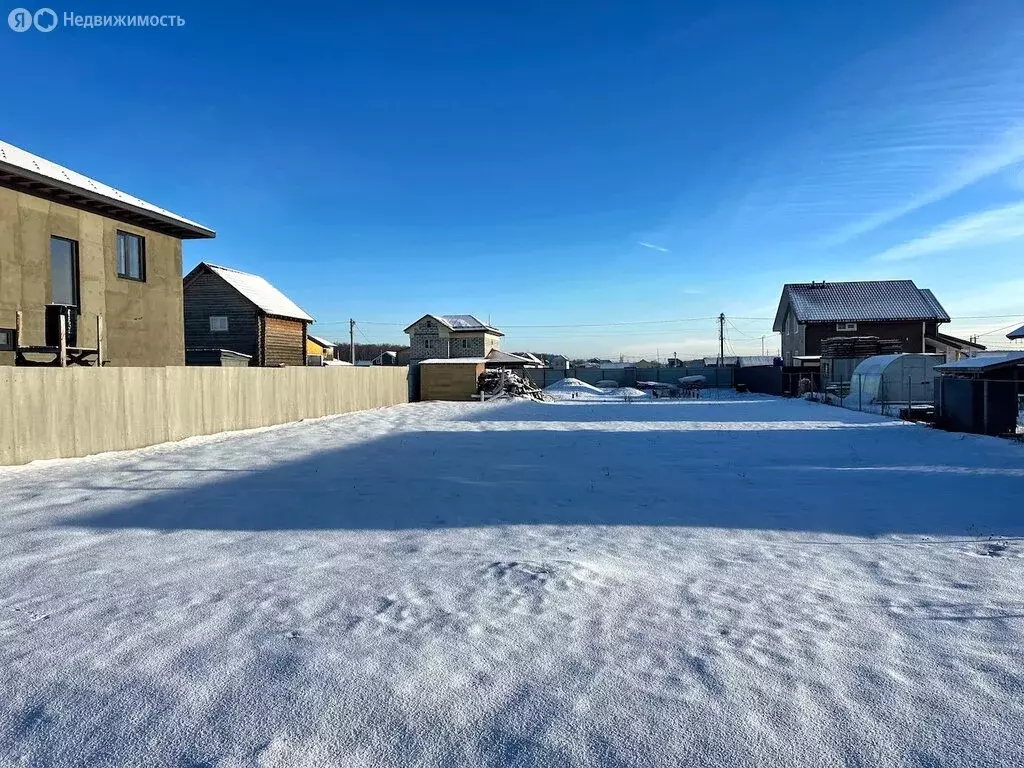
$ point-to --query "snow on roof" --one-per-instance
(865, 301)
(320, 340)
(983, 363)
(1017, 334)
(18, 162)
(497, 356)
(752, 361)
(460, 323)
(454, 361)
(260, 292)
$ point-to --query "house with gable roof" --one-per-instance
(449, 336)
(230, 310)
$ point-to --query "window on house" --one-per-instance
(6, 339)
(64, 271)
(426, 343)
(465, 343)
(218, 323)
(846, 326)
(131, 256)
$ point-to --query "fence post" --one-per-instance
(984, 406)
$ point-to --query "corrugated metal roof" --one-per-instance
(461, 322)
(867, 301)
(14, 159)
(261, 293)
(985, 362)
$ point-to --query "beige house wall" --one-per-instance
(143, 320)
(63, 412)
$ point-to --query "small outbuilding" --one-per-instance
(453, 378)
(894, 379)
(982, 394)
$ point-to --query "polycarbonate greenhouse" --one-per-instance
(896, 379)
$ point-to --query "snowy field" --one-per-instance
(753, 582)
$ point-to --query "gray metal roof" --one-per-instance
(1017, 334)
(976, 364)
(866, 301)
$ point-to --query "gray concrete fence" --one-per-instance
(48, 413)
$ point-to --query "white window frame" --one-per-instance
(216, 324)
(465, 343)
(426, 343)
(846, 326)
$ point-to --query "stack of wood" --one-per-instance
(859, 346)
(501, 382)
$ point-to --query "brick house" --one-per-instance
(808, 313)
(449, 336)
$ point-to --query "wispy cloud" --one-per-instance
(905, 126)
(653, 247)
(998, 225)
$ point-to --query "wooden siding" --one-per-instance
(206, 295)
(284, 341)
(439, 381)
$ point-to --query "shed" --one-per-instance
(224, 358)
(450, 378)
(904, 378)
(982, 394)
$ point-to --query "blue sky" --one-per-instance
(518, 161)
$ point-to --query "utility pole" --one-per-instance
(762, 346)
(352, 341)
(721, 339)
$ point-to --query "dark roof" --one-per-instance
(984, 363)
(1017, 334)
(866, 301)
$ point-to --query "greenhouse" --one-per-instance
(882, 379)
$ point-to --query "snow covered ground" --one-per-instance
(728, 583)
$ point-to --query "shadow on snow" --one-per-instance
(781, 479)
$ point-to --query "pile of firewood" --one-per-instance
(501, 382)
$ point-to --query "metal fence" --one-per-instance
(628, 377)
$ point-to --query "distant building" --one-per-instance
(451, 336)
(318, 347)
(809, 313)
(237, 311)
(556, 362)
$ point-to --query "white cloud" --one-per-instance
(998, 225)
(653, 247)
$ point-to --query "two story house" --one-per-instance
(70, 240)
(448, 336)
(808, 313)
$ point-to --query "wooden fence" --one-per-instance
(62, 412)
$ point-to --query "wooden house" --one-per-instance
(241, 312)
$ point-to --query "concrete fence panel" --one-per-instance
(50, 413)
